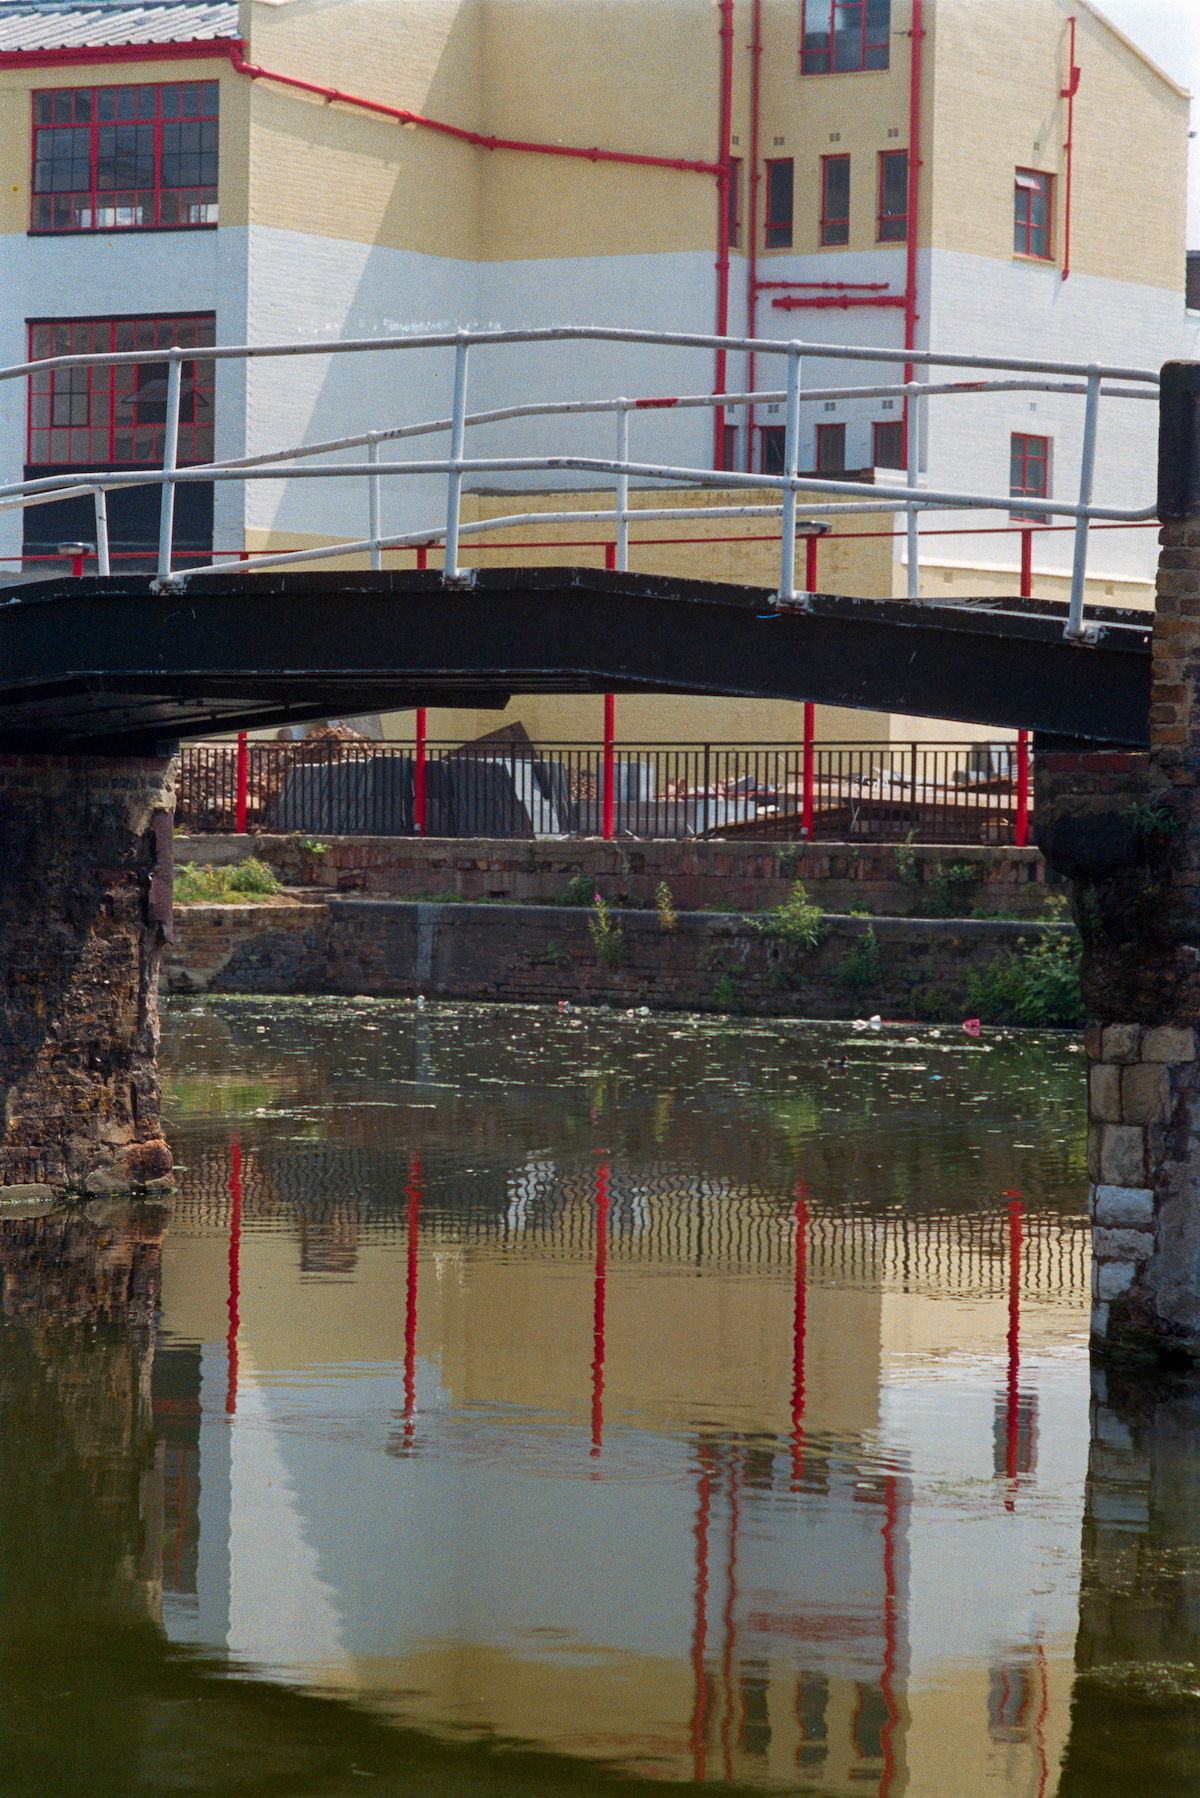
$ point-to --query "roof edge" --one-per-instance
(1102, 18)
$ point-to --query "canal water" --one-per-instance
(547, 1401)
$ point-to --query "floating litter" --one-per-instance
(876, 1022)
(971, 1026)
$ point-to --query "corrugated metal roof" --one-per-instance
(31, 25)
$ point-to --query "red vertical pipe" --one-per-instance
(243, 782)
(1012, 1434)
(914, 192)
(723, 158)
(419, 775)
(412, 1193)
(806, 812)
(609, 770)
(235, 1272)
(1068, 94)
(1021, 822)
(599, 1283)
(799, 1336)
(700, 1624)
(752, 223)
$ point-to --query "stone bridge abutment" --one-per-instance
(85, 905)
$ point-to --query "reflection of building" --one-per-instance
(179, 171)
(558, 1541)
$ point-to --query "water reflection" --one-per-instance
(541, 1401)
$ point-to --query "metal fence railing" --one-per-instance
(941, 793)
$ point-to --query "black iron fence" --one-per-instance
(944, 792)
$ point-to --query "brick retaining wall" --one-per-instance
(699, 874)
(899, 967)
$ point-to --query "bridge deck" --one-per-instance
(112, 664)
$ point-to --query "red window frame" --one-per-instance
(892, 216)
(887, 443)
(1033, 215)
(835, 207)
(114, 415)
(831, 449)
(1029, 474)
(130, 158)
(781, 185)
(844, 37)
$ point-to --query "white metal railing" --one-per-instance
(309, 461)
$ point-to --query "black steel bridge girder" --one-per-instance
(103, 663)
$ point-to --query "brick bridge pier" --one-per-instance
(1125, 827)
(85, 905)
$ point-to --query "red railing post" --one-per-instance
(243, 783)
(806, 815)
(422, 555)
(419, 776)
(609, 769)
(1026, 562)
(610, 558)
(810, 564)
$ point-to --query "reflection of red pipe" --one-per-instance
(730, 1598)
(235, 1280)
(598, 1306)
(1012, 1436)
(700, 1626)
(799, 1322)
(891, 1624)
(413, 1194)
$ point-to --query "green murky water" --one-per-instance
(545, 1401)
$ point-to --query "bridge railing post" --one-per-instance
(458, 433)
(1074, 626)
(166, 515)
(623, 485)
(912, 476)
(100, 501)
(373, 498)
(791, 463)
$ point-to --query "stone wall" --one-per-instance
(898, 967)
(85, 897)
(887, 878)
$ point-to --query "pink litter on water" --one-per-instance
(971, 1026)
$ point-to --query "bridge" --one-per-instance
(100, 676)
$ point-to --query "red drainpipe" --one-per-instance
(723, 179)
(752, 224)
(1068, 94)
(914, 190)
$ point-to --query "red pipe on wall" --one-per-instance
(752, 283)
(723, 180)
(1068, 94)
(914, 194)
(840, 302)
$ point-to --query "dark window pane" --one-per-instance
(779, 204)
(106, 103)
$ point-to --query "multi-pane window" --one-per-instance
(779, 204)
(110, 413)
(1032, 195)
(835, 199)
(887, 443)
(831, 449)
(893, 196)
(841, 36)
(773, 441)
(125, 158)
(1029, 474)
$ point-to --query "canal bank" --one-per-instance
(786, 962)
